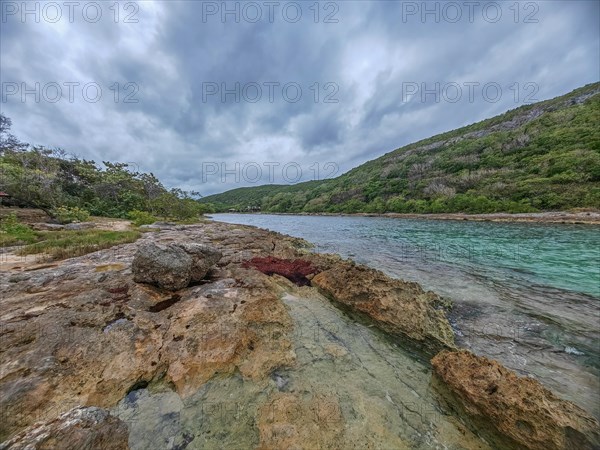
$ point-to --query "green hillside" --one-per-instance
(544, 156)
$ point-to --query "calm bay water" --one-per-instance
(556, 255)
(525, 294)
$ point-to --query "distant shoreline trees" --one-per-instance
(38, 177)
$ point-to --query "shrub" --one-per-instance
(13, 232)
(141, 217)
(66, 214)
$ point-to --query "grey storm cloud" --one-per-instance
(373, 76)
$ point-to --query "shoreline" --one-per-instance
(251, 321)
(585, 218)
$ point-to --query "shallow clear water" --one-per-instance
(350, 382)
(525, 294)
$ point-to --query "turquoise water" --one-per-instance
(554, 255)
(527, 295)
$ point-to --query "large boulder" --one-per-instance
(511, 412)
(81, 428)
(173, 266)
(398, 307)
(203, 258)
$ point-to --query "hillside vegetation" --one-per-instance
(70, 188)
(539, 157)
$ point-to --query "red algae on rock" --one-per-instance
(296, 270)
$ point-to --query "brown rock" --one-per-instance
(78, 429)
(399, 307)
(71, 335)
(220, 334)
(512, 412)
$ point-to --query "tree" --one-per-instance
(9, 142)
(32, 178)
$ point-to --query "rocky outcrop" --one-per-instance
(82, 332)
(511, 412)
(173, 266)
(399, 307)
(25, 215)
(78, 429)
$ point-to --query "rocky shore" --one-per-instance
(246, 317)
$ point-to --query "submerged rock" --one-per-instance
(291, 421)
(78, 429)
(173, 266)
(400, 307)
(511, 412)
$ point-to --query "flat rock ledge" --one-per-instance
(78, 429)
(398, 307)
(509, 411)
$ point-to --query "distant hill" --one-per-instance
(544, 156)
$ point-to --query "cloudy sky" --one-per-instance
(211, 96)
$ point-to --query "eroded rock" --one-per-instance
(159, 226)
(203, 258)
(78, 429)
(173, 266)
(74, 335)
(512, 412)
(82, 332)
(399, 307)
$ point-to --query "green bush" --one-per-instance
(66, 214)
(13, 232)
(139, 218)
